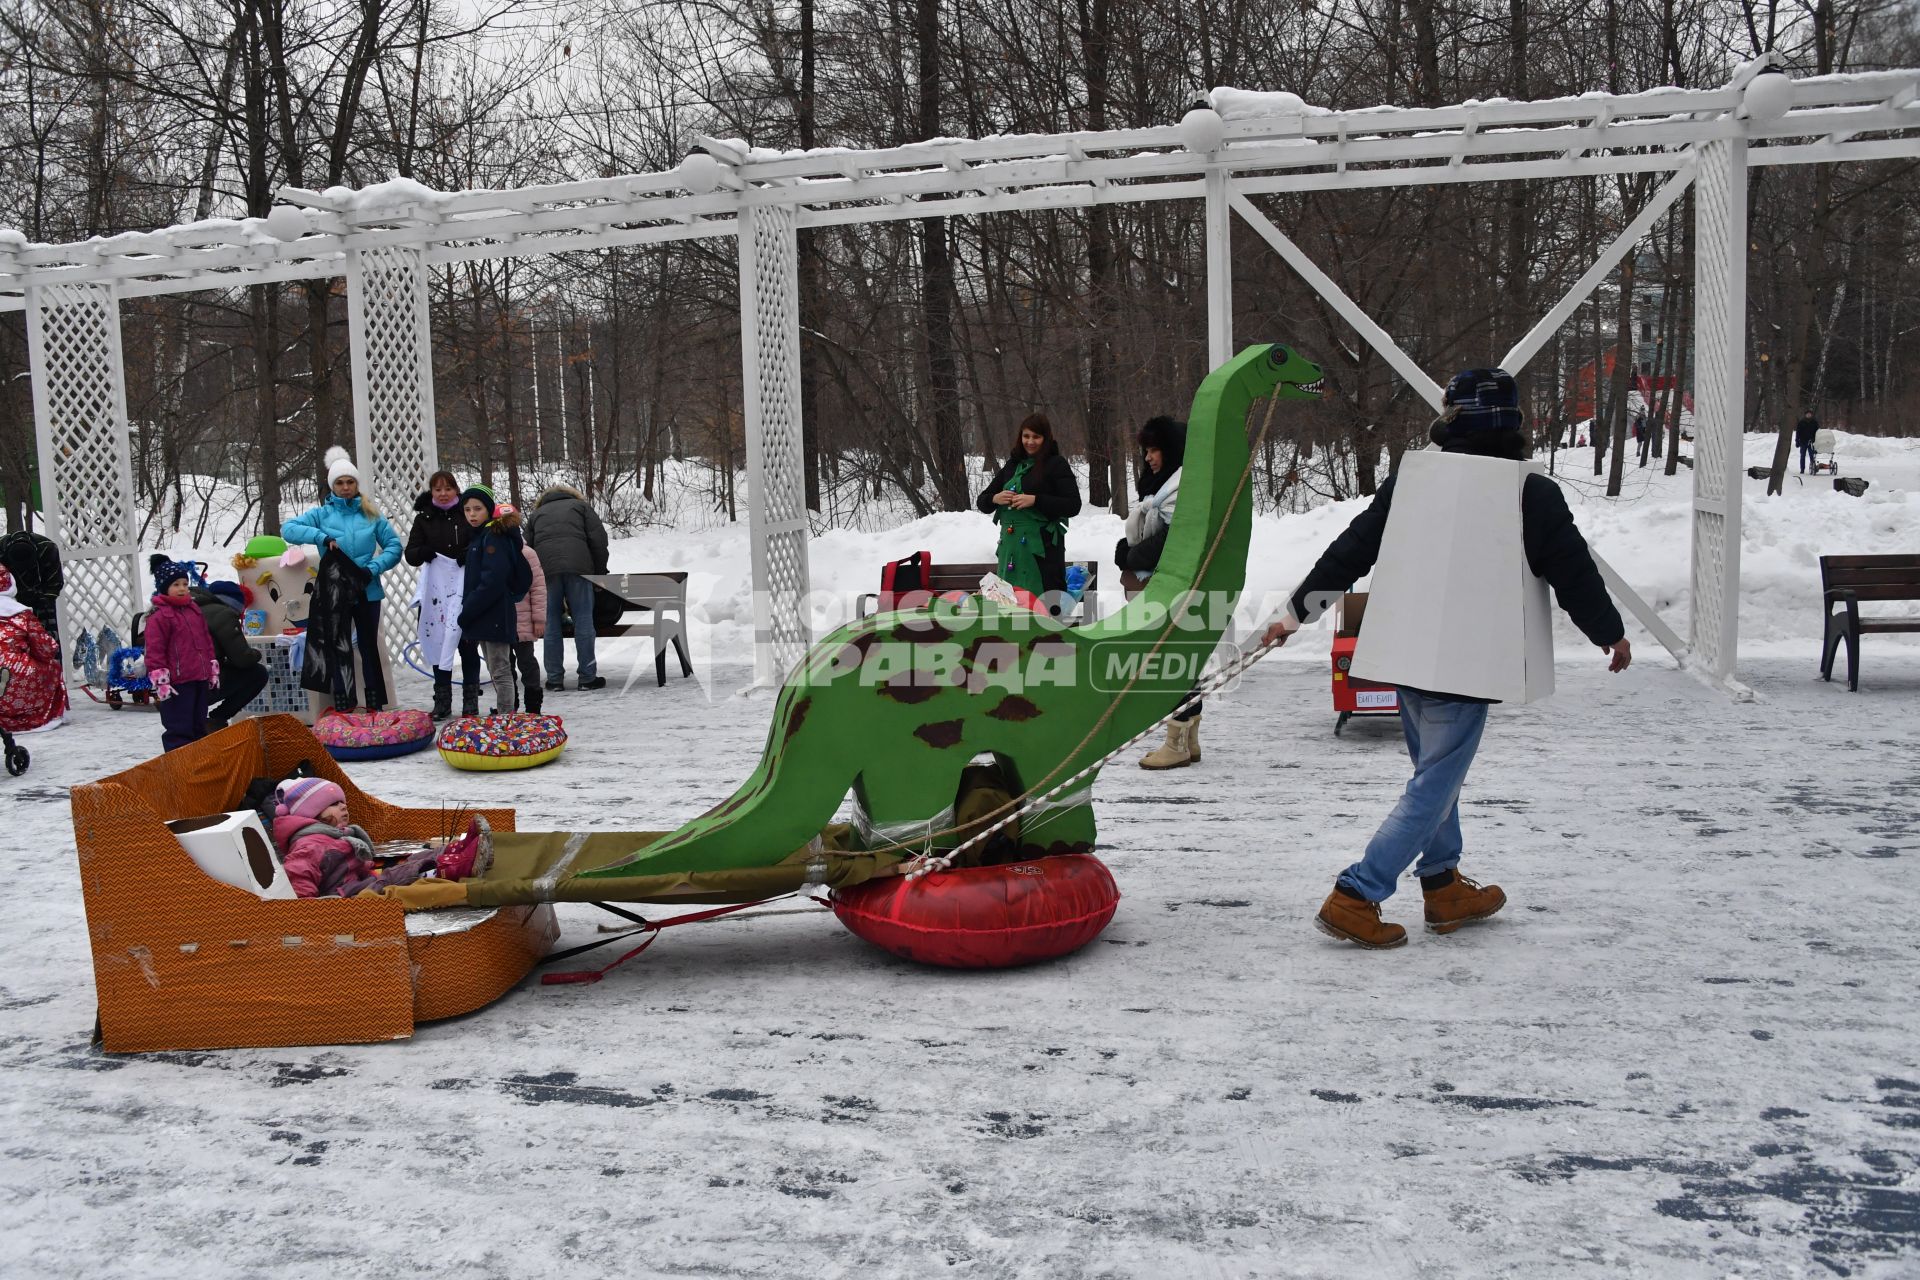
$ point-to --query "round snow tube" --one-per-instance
(374, 735)
(490, 743)
(985, 917)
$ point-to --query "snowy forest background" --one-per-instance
(924, 342)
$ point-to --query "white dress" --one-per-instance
(442, 579)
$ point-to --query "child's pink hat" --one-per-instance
(307, 797)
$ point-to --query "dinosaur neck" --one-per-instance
(1215, 461)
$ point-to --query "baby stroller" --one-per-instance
(16, 756)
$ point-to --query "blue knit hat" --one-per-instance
(166, 572)
(1482, 400)
(233, 591)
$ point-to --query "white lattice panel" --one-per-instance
(85, 450)
(776, 494)
(1720, 302)
(395, 445)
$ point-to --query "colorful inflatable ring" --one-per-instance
(985, 917)
(374, 735)
(489, 743)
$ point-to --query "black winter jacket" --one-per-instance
(1057, 496)
(566, 534)
(436, 532)
(497, 577)
(1554, 548)
(1804, 430)
(223, 624)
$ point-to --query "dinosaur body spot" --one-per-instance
(902, 688)
(798, 718)
(1015, 708)
(922, 631)
(940, 733)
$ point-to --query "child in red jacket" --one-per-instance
(326, 855)
(181, 661)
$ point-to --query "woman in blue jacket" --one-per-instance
(348, 521)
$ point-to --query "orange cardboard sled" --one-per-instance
(182, 961)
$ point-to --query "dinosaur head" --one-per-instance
(1297, 378)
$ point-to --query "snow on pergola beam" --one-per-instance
(1265, 143)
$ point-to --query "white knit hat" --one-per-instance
(339, 464)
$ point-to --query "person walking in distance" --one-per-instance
(1804, 433)
(572, 543)
(1443, 725)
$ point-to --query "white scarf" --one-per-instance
(9, 601)
(1154, 512)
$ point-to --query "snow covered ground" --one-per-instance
(1689, 1047)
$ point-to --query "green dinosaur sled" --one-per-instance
(894, 708)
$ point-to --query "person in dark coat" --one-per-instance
(497, 577)
(1156, 491)
(1442, 728)
(1803, 433)
(1031, 498)
(440, 528)
(571, 543)
(242, 672)
(34, 561)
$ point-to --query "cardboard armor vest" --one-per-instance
(1453, 607)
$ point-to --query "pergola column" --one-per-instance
(86, 455)
(776, 493)
(395, 446)
(1719, 407)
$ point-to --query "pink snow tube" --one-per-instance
(374, 735)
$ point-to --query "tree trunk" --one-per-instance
(941, 409)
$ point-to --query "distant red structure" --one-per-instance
(1582, 396)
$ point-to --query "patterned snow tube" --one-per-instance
(374, 735)
(985, 917)
(489, 743)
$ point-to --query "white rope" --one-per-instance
(925, 864)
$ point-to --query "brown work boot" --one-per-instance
(1461, 901)
(1358, 921)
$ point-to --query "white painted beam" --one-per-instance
(1524, 350)
(1372, 333)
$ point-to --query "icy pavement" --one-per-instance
(1690, 1046)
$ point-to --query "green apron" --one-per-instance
(1024, 535)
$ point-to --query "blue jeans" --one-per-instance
(1442, 738)
(1807, 455)
(575, 593)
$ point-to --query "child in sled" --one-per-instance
(327, 856)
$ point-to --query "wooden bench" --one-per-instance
(943, 578)
(1846, 581)
(662, 598)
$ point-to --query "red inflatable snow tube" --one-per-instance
(985, 917)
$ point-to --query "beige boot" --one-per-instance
(1172, 755)
(1193, 740)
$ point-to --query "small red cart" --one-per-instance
(1352, 697)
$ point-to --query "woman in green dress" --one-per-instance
(1031, 499)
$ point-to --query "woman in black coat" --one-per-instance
(1031, 498)
(441, 529)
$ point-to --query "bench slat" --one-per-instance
(1878, 591)
(1873, 561)
(1889, 624)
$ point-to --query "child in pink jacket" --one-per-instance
(531, 615)
(326, 855)
(181, 661)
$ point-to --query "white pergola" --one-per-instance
(385, 239)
